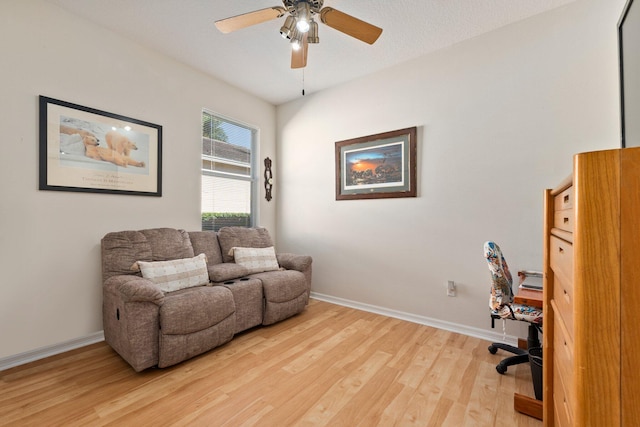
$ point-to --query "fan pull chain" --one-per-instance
(303, 82)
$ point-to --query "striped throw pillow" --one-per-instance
(176, 274)
(256, 260)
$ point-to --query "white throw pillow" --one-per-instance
(256, 260)
(176, 274)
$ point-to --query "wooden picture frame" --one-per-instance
(87, 150)
(377, 166)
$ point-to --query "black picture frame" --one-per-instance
(377, 166)
(84, 149)
(629, 69)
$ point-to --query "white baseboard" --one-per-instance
(52, 350)
(422, 320)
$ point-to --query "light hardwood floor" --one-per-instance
(329, 366)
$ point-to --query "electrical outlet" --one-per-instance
(451, 288)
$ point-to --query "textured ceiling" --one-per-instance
(257, 59)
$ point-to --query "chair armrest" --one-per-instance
(135, 289)
(294, 262)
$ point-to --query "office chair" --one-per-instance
(502, 307)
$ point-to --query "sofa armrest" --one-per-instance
(226, 271)
(294, 262)
(135, 289)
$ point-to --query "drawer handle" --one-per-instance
(560, 249)
(566, 198)
(566, 220)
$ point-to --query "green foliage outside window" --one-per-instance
(216, 220)
(211, 128)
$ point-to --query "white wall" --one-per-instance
(499, 118)
(50, 280)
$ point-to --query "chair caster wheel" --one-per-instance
(492, 349)
(501, 369)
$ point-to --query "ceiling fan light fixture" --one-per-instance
(299, 26)
(296, 39)
(302, 26)
(312, 36)
(303, 15)
(288, 27)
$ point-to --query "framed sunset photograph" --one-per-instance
(377, 166)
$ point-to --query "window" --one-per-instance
(228, 183)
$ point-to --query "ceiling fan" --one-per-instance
(300, 28)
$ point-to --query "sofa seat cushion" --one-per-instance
(282, 285)
(194, 309)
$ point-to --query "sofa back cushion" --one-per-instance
(206, 242)
(230, 237)
(122, 249)
(168, 243)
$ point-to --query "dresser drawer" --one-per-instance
(561, 259)
(563, 358)
(563, 298)
(563, 200)
(563, 220)
(561, 404)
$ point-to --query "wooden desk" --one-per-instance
(522, 403)
(528, 297)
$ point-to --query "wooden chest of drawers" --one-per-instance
(591, 336)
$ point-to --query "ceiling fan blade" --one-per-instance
(299, 57)
(349, 25)
(238, 22)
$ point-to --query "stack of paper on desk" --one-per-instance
(532, 280)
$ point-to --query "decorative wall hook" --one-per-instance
(268, 179)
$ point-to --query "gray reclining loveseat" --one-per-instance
(164, 302)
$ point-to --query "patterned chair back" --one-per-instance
(501, 299)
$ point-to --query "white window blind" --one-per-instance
(228, 182)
